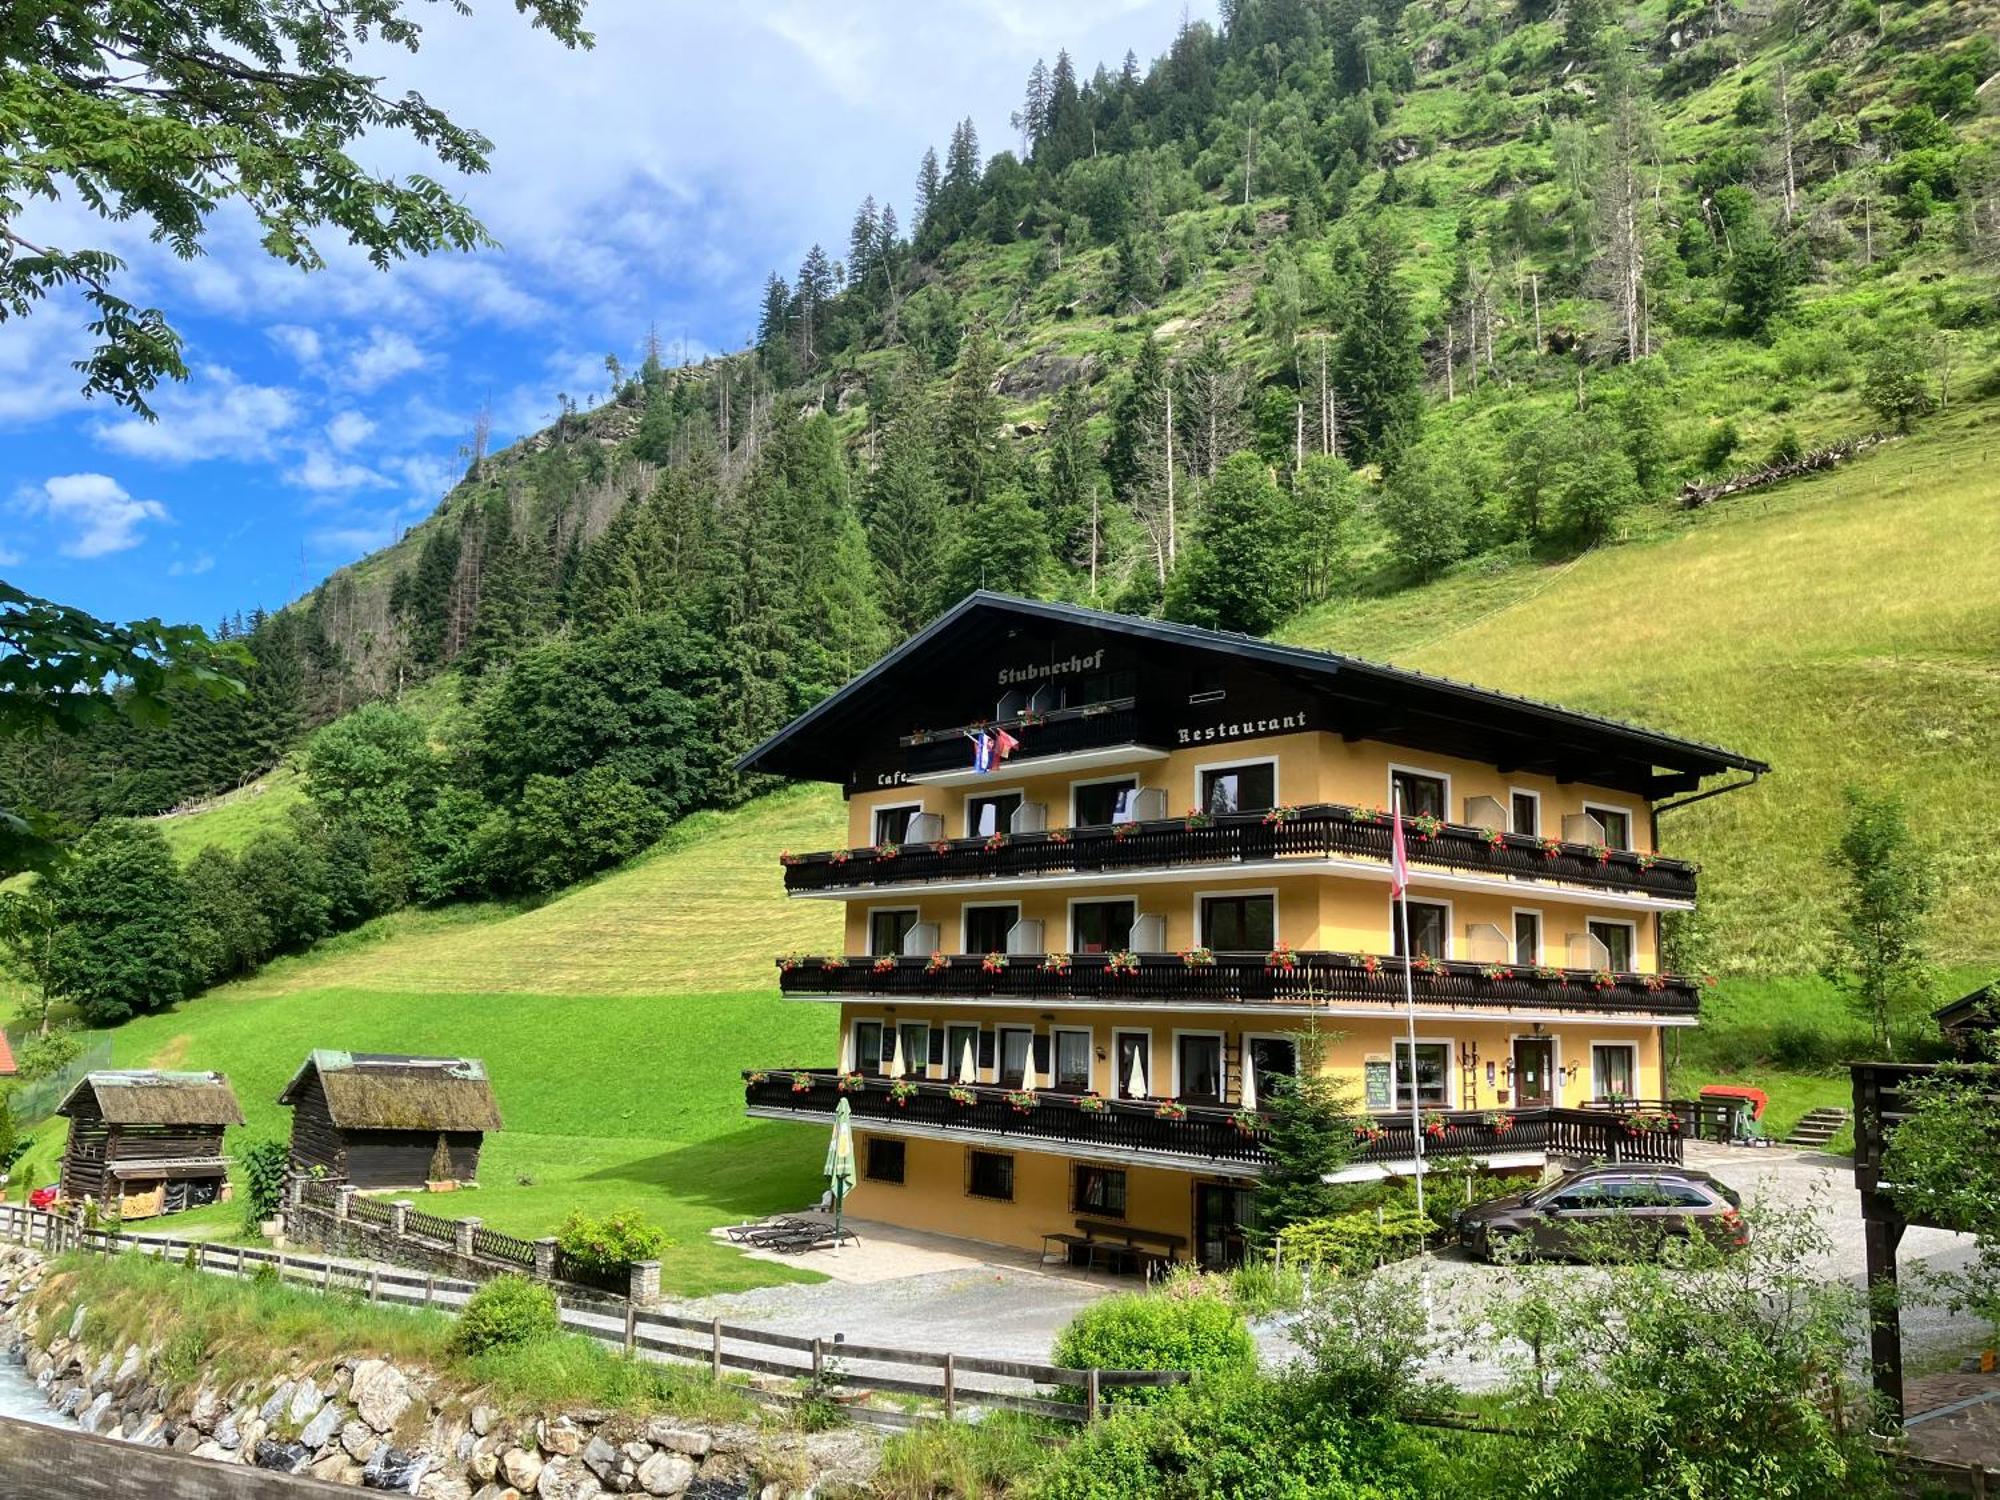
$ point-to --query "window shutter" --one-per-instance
(888, 1045)
(1042, 1060)
(986, 1044)
(937, 1046)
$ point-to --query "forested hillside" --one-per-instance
(1334, 300)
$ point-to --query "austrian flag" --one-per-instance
(1399, 857)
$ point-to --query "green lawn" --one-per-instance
(231, 820)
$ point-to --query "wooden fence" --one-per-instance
(710, 1342)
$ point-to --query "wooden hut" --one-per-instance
(151, 1141)
(374, 1119)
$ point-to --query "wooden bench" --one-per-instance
(1120, 1245)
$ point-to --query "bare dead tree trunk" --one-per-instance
(1535, 286)
(1450, 358)
(1791, 173)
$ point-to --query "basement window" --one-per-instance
(989, 1174)
(885, 1160)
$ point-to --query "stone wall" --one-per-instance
(368, 1422)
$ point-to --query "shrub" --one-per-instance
(610, 1243)
(1357, 1241)
(506, 1313)
(1717, 447)
(264, 1164)
(1787, 449)
(1139, 1331)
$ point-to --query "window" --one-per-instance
(1614, 1067)
(958, 1040)
(1016, 1046)
(986, 927)
(867, 1046)
(1229, 789)
(1429, 924)
(1617, 825)
(1135, 1065)
(1072, 1062)
(1101, 802)
(989, 1174)
(1101, 926)
(887, 929)
(892, 824)
(1098, 1190)
(1527, 938)
(1527, 813)
(1239, 924)
(1421, 794)
(990, 815)
(916, 1039)
(1271, 1057)
(1433, 1077)
(1200, 1060)
(1617, 940)
(885, 1160)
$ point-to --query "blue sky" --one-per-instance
(653, 181)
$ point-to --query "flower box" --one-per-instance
(788, 859)
(1551, 848)
(902, 1091)
(1370, 1133)
(959, 1094)
(1247, 1122)
(942, 846)
(802, 1083)
(789, 962)
(1092, 1104)
(1494, 973)
(1281, 960)
(1055, 963)
(937, 963)
(993, 963)
(1603, 979)
(1426, 963)
(887, 851)
(885, 964)
(1370, 964)
(1170, 1109)
(995, 842)
(831, 964)
(1278, 817)
(1493, 838)
(1124, 964)
(853, 1083)
(1366, 815)
(839, 857)
(1198, 958)
(1196, 818)
(758, 1077)
(1023, 1101)
(1426, 826)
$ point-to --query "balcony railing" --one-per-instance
(1226, 979)
(1320, 831)
(1203, 1133)
(1060, 731)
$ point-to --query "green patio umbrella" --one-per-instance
(840, 1160)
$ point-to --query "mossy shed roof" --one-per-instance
(144, 1097)
(391, 1091)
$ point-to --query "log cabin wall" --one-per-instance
(84, 1152)
(402, 1158)
(316, 1141)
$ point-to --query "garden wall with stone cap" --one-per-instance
(371, 1423)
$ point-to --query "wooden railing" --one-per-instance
(1318, 831)
(1061, 731)
(1204, 1132)
(1235, 978)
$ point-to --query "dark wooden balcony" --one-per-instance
(1316, 832)
(1060, 731)
(1227, 979)
(1208, 1138)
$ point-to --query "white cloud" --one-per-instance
(320, 470)
(213, 416)
(303, 344)
(190, 567)
(349, 430)
(10, 559)
(93, 510)
(386, 355)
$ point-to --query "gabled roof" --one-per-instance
(395, 1091)
(818, 745)
(1980, 1009)
(144, 1097)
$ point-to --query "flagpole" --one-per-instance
(1409, 1006)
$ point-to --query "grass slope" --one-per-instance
(1840, 627)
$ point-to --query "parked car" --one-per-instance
(44, 1197)
(1588, 1210)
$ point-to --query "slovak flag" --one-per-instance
(1004, 744)
(1399, 857)
(982, 752)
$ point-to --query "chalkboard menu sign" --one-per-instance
(1376, 1084)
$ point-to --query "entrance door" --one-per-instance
(1534, 1069)
(1221, 1215)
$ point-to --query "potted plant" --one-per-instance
(1551, 972)
(1366, 815)
(902, 1091)
(1196, 818)
(1551, 847)
(995, 842)
(886, 964)
(1494, 973)
(993, 963)
(1170, 1109)
(1368, 1132)
(1426, 826)
(439, 1179)
(1602, 979)
(1198, 958)
(942, 846)
(937, 963)
(1091, 1104)
(886, 851)
(1055, 963)
(788, 859)
(1281, 960)
(853, 1083)
(802, 1083)
(839, 857)
(1124, 963)
(1434, 1124)
(1278, 817)
(1023, 1101)
(1493, 838)
(1655, 983)
(832, 962)
(1428, 963)
(959, 1094)
(1246, 1122)
(788, 962)
(1370, 964)
(1499, 1124)
(1058, 835)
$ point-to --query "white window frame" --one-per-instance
(1137, 781)
(1389, 784)
(1628, 924)
(1117, 1089)
(1277, 783)
(1109, 897)
(951, 1057)
(1631, 1045)
(882, 807)
(978, 793)
(1541, 933)
(1535, 797)
(1089, 1036)
(923, 1068)
(854, 1044)
(1199, 924)
(965, 909)
(868, 934)
(1631, 819)
(1000, 1031)
(1264, 1036)
(1221, 1057)
(1450, 923)
(1554, 1039)
(1450, 1045)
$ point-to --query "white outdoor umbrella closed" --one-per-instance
(968, 1070)
(1136, 1084)
(1028, 1079)
(896, 1065)
(1249, 1084)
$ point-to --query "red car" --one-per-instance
(43, 1197)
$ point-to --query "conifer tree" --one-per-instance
(1067, 135)
(905, 510)
(1379, 365)
(1000, 546)
(975, 456)
(930, 182)
(1241, 571)
(1071, 479)
(864, 243)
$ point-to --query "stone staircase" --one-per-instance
(1817, 1127)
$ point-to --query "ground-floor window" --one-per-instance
(885, 1160)
(1433, 1079)
(1614, 1069)
(989, 1174)
(1098, 1190)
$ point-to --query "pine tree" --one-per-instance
(930, 183)
(1034, 115)
(975, 455)
(1378, 363)
(1000, 546)
(864, 243)
(1124, 458)
(1327, 498)
(1213, 414)
(815, 289)
(1066, 137)
(1071, 478)
(1241, 571)
(958, 194)
(774, 330)
(905, 509)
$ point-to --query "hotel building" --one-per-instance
(1069, 979)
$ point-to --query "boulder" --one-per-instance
(565, 1478)
(76, 1324)
(438, 1485)
(666, 1474)
(336, 1468)
(561, 1437)
(601, 1458)
(324, 1427)
(381, 1393)
(358, 1440)
(252, 1431)
(92, 1417)
(213, 1449)
(485, 1466)
(280, 1456)
(187, 1439)
(227, 1431)
(522, 1467)
(393, 1469)
(498, 1492)
(663, 1434)
(151, 1432)
(483, 1419)
(307, 1399)
(274, 1404)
